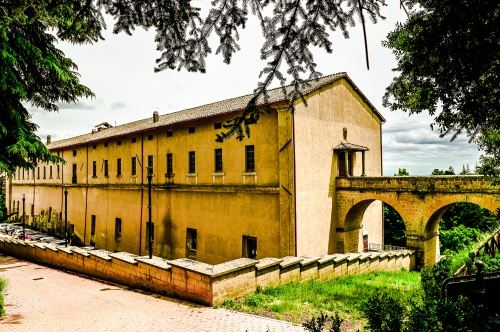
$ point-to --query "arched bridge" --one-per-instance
(420, 200)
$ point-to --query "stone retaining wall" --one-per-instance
(199, 282)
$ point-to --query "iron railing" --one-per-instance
(384, 247)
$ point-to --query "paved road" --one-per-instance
(39, 298)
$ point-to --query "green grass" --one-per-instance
(3, 283)
(297, 302)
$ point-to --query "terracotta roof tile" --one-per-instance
(209, 110)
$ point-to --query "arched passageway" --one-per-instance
(420, 201)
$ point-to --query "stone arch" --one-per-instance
(431, 226)
(353, 219)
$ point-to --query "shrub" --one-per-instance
(319, 323)
(457, 238)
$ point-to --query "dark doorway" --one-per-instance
(250, 247)
(342, 164)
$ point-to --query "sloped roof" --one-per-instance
(200, 112)
(350, 147)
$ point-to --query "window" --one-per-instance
(249, 158)
(250, 247)
(50, 172)
(118, 142)
(191, 130)
(218, 125)
(218, 160)
(38, 173)
(106, 168)
(19, 174)
(94, 146)
(118, 228)
(44, 172)
(58, 172)
(170, 166)
(94, 169)
(192, 162)
(23, 173)
(106, 144)
(191, 238)
(134, 166)
(119, 167)
(150, 164)
(74, 153)
(170, 133)
(150, 137)
(92, 226)
(73, 177)
(134, 139)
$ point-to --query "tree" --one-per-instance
(35, 71)
(448, 55)
(449, 171)
(402, 172)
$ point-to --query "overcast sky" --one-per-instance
(119, 71)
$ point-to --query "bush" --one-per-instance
(384, 313)
(323, 321)
(458, 238)
(3, 283)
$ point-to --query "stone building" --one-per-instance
(269, 195)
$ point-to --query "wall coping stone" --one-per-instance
(125, 257)
(213, 270)
(383, 254)
(352, 257)
(52, 247)
(104, 254)
(364, 256)
(309, 260)
(66, 250)
(290, 260)
(267, 262)
(156, 262)
(234, 265)
(326, 258)
(80, 251)
(340, 258)
(40, 246)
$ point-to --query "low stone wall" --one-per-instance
(204, 283)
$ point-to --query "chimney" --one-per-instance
(156, 116)
(48, 140)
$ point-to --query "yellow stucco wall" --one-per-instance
(295, 168)
(318, 130)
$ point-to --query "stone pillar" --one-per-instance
(347, 164)
(425, 249)
(363, 163)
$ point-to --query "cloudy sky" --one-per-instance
(119, 71)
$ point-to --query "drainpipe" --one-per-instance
(294, 185)
(142, 194)
(86, 199)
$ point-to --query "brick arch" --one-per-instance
(437, 210)
(354, 216)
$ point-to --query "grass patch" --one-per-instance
(297, 302)
(3, 284)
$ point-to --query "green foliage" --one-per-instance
(470, 215)
(298, 302)
(3, 284)
(489, 142)
(384, 313)
(457, 238)
(427, 311)
(394, 227)
(322, 322)
(402, 172)
(448, 58)
(449, 171)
